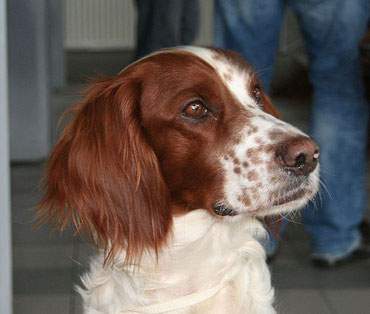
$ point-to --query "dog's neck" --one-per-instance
(203, 252)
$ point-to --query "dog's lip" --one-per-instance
(227, 210)
(291, 197)
(300, 193)
(223, 210)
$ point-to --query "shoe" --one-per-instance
(362, 252)
(270, 258)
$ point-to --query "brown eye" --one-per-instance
(257, 94)
(195, 110)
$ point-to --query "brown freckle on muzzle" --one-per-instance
(253, 189)
(245, 164)
(252, 175)
(271, 167)
(251, 152)
(231, 154)
(268, 149)
(259, 140)
(253, 129)
(236, 140)
(244, 199)
(254, 193)
(253, 156)
(274, 135)
(274, 179)
(237, 170)
(256, 160)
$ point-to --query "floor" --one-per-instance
(47, 268)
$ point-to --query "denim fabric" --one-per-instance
(332, 30)
(163, 23)
(251, 28)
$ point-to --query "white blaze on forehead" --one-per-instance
(235, 78)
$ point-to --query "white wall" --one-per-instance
(5, 242)
(111, 24)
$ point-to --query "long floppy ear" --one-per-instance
(103, 175)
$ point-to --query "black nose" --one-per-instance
(299, 155)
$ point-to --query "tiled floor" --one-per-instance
(47, 269)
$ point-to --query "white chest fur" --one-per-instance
(205, 254)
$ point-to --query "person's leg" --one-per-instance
(252, 28)
(332, 31)
(158, 25)
(189, 21)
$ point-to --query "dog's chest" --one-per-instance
(216, 270)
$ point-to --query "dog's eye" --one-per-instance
(195, 110)
(257, 94)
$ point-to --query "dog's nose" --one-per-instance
(299, 155)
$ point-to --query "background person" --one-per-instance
(332, 31)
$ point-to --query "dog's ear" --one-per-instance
(104, 176)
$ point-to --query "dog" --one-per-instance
(170, 167)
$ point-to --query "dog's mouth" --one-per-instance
(287, 200)
(223, 210)
(290, 197)
(226, 210)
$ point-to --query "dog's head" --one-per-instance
(179, 130)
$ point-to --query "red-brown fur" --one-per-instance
(128, 161)
(104, 176)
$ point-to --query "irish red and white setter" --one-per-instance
(170, 166)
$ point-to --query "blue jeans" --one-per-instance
(163, 24)
(332, 30)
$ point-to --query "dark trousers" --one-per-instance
(164, 23)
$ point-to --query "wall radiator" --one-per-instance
(110, 24)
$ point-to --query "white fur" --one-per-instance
(204, 251)
(239, 78)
